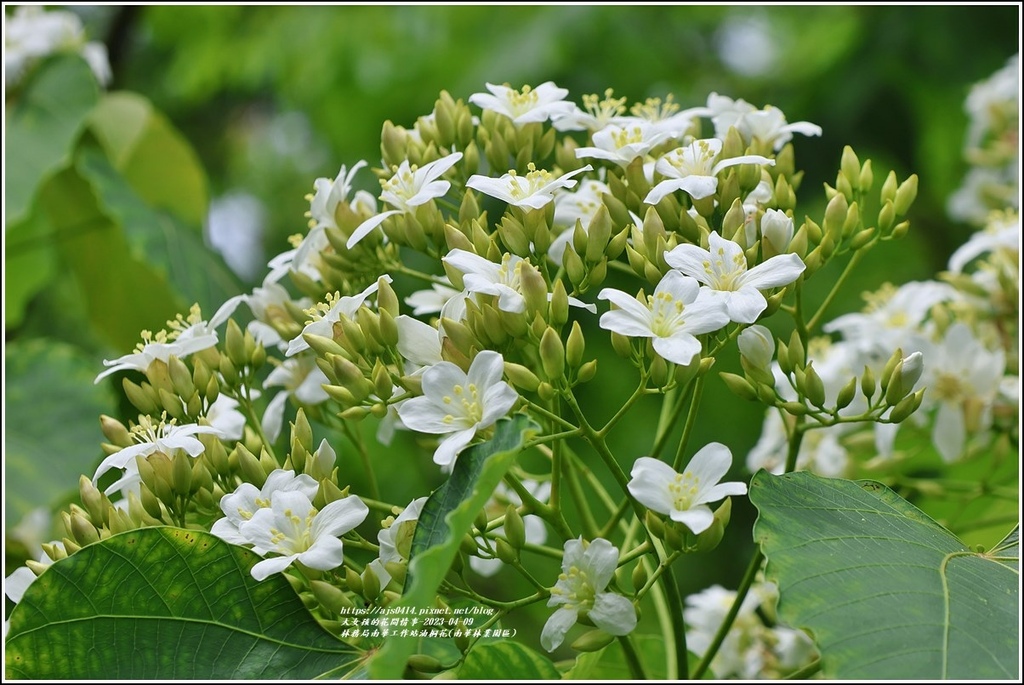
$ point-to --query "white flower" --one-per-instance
(534, 190)
(684, 496)
(694, 169)
(723, 268)
(223, 415)
(323, 325)
(408, 188)
(595, 114)
(726, 112)
(187, 335)
(769, 126)
(292, 527)
(678, 311)
(962, 378)
(330, 193)
(777, 230)
(458, 404)
(167, 438)
(395, 539)
(893, 318)
(587, 568)
(757, 346)
(1003, 232)
(240, 505)
(418, 342)
(433, 300)
(32, 33)
(623, 144)
(502, 280)
(301, 379)
(526, 106)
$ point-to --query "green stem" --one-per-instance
(850, 265)
(613, 521)
(691, 420)
(364, 457)
(675, 601)
(543, 411)
(636, 669)
(626, 406)
(806, 672)
(254, 421)
(734, 610)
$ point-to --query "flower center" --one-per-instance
(725, 273)
(521, 102)
(666, 314)
(575, 587)
(948, 387)
(683, 488)
(628, 136)
(465, 402)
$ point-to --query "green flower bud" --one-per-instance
(574, 346)
(905, 195)
(900, 230)
(249, 465)
(533, 287)
(794, 408)
(850, 166)
(115, 432)
(867, 178)
(234, 344)
(904, 376)
(846, 394)
(521, 377)
(371, 584)
(835, 217)
(867, 383)
(506, 552)
(171, 404)
(739, 386)
(424, 663)
(181, 377)
(228, 371)
(599, 232)
(593, 641)
(795, 351)
(515, 530)
(654, 524)
(890, 366)
(907, 406)
(852, 222)
(83, 531)
(559, 304)
(95, 502)
(552, 354)
(546, 391)
(889, 187)
(587, 372)
(639, 575)
(353, 581)
(382, 385)
(574, 266)
(513, 235)
(814, 388)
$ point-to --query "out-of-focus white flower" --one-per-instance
(587, 568)
(769, 126)
(1001, 233)
(684, 497)
(546, 101)
(536, 533)
(235, 225)
(677, 312)
(746, 45)
(32, 33)
(534, 190)
(433, 300)
(723, 269)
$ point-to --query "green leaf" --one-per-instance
(446, 517)
(170, 604)
(152, 155)
(52, 418)
(163, 240)
(507, 660)
(887, 592)
(123, 294)
(41, 126)
(29, 264)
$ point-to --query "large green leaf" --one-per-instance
(29, 264)
(886, 591)
(52, 417)
(152, 155)
(160, 238)
(610, 663)
(41, 126)
(446, 517)
(507, 660)
(170, 604)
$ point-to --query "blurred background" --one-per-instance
(266, 99)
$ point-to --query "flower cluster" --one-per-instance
(32, 33)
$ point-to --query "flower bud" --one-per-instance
(353, 581)
(846, 394)
(181, 473)
(654, 524)
(81, 529)
(587, 372)
(867, 178)
(424, 663)
(907, 406)
(371, 584)
(852, 222)
(814, 388)
(757, 347)
(795, 351)
(145, 402)
(330, 597)
(639, 575)
(593, 641)
(506, 552)
(835, 216)
(905, 195)
(552, 354)
(850, 166)
(515, 530)
(867, 383)
(904, 376)
(622, 346)
(249, 465)
(739, 386)
(890, 366)
(777, 230)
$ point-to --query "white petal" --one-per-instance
(601, 558)
(690, 259)
(680, 348)
(487, 369)
(743, 305)
(556, 627)
(709, 464)
(613, 614)
(339, 517)
(697, 519)
(424, 416)
(17, 583)
(450, 447)
(949, 433)
(272, 565)
(780, 270)
(367, 226)
(324, 554)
